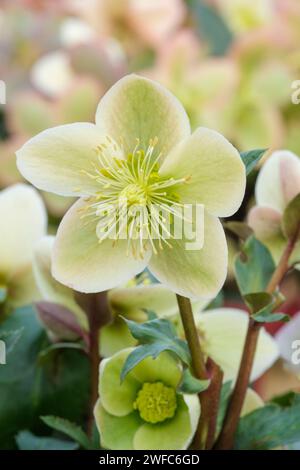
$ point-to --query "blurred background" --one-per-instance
(232, 63)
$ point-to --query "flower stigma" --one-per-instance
(155, 402)
(134, 202)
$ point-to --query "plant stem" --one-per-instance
(213, 392)
(97, 310)
(226, 438)
(198, 365)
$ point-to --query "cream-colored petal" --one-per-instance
(79, 261)
(50, 289)
(252, 402)
(272, 187)
(58, 159)
(139, 108)
(194, 273)
(215, 171)
(224, 331)
(23, 222)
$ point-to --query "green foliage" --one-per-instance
(224, 398)
(276, 424)
(251, 158)
(261, 306)
(28, 388)
(70, 429)
(291, 218)
(211, 27)
(156, 336)
(3, 294)
(254, 267)
(28, 441)
(190, 384)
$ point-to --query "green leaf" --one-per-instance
(291, 218)
(271, 426)
(261, 305)
(29, 389)
(254, 267)
(28, 441)
(45, 353)
(70, 429)
(224, 399)
(211, 26)
(156, 336)
(251, 158)
(190, 384)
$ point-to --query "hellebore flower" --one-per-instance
(145, 411)
(223, 332)
(140, 154)
(23, 223)
(277, 184)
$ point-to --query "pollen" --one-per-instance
(134, 202)
(156, 402)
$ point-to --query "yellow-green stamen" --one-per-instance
(156, 402)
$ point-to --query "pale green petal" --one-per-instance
(162, 369)
(270, 186)
(116, 433)
(115, 337)
(50, 289)
(23, 222)
(224, 331)
(22, 289)
(194, 273)
(82, 263)
(139, 108)
(217, 176)
(117, 398)
(173, 434)
(252, 402)
(133, 300)
(56, 159)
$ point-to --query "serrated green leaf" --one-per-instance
(70, 429)
(251, 158)
(191, 384)
(291, 218)
(28, 441)
(254, 267)
(261, 306)
(156, 336)
(270, 426)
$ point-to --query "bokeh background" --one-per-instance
(232, 63)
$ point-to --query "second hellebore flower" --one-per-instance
(277, 184)
(140, 154)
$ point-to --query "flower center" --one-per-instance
(156, 402)
(134, 201)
